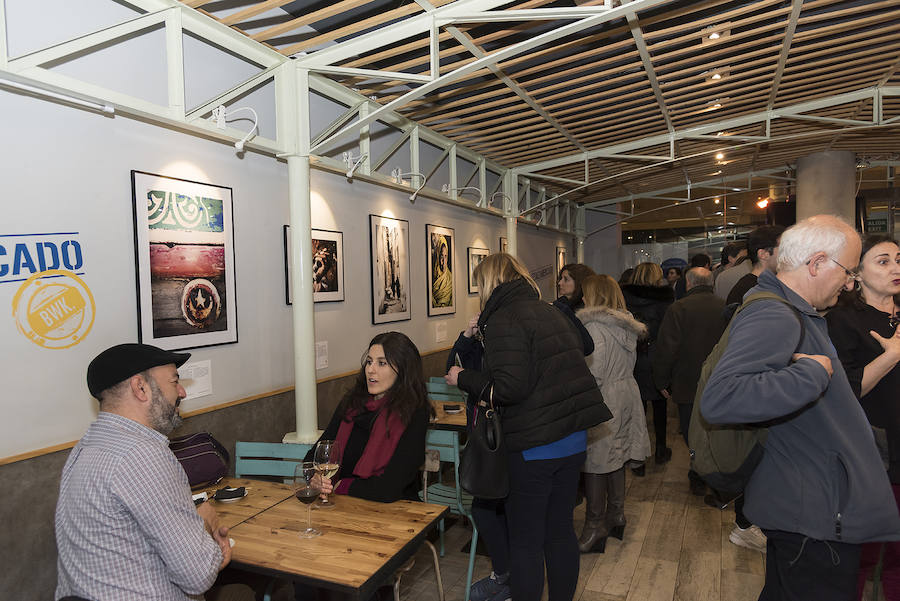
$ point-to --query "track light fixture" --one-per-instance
(399, 177)
(351, 165)
(220, 115)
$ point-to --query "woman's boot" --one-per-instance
(615, 515)
(593, 536)
(663, 453)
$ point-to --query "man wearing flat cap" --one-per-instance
(126, 527)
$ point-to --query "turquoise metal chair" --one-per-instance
(446, 442)
(276, 459)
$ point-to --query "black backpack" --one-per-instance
(726, 455)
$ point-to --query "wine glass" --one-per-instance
(328, 462)
(306, 492)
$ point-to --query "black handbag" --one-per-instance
(483, 464)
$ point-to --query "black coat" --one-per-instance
(648, 305)
(534, 357)
(689, 331)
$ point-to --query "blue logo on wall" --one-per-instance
(23, 255)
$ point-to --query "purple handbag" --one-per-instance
(204, 459)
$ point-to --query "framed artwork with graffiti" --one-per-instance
(327, 266)
(389, 239)
(184, 258)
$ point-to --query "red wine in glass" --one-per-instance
(306, 493)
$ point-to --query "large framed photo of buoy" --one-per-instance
(184, 258)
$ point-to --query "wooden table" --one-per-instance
(362, 544)
(261, 495)
(449, 421)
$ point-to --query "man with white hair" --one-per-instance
(820, 489)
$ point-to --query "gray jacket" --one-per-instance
(821, 475)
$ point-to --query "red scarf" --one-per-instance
(386, 432)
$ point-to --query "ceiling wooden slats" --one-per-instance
(597, 89)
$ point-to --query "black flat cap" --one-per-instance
(120, 362)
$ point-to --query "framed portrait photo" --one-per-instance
(475, 256)
(184, 258)
(560, 258)
(503, 245)
(327, 266)
(441, 286)
(389, 252)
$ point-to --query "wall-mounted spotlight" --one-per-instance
(398, 177)
(446, 189)
(351, 165)
(220, 115)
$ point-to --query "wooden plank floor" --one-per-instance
(676, 548)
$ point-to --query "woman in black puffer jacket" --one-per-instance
(548, 399)
(647, 297)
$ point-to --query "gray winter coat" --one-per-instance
(623, 438)
(821, 474)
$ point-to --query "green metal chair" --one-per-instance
(446, 442)
(276, 459)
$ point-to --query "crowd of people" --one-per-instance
(573, 380)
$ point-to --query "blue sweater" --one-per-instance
(821, 474)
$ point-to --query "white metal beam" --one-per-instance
(229, 95)
(709, 183)
(498, 56)
(372, 73)
(87, 41)
(175, 62)
(528, 14)
(724, 125)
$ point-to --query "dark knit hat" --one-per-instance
(120, 362)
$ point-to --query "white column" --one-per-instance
(296, 124)
(511, 210)
(579, 234)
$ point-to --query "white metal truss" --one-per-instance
(706, 131)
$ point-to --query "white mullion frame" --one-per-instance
(87, 41)
(406, 135)
(4, 50)
(724, 125)
(229, 95)
(372, 73)
(175, 62)
(348, 114)
(491, 59)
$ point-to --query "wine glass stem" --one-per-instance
(309, 517)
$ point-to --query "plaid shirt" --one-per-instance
(126, 527)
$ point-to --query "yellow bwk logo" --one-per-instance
(54, 309)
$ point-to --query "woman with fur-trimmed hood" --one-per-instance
(623, 439)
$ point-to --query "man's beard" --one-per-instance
(163, 417)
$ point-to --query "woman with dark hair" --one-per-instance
(864, 330)
(569, 284)
(647, 298)
(547, 400)
(380, 424)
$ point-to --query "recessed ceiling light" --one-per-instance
(715, 33)
(720, 156)
(762, 204)
(718, 74)
(732, 208)
(716, 200)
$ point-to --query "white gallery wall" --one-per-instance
(68, 170)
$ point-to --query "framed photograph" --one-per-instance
(389, 240)
(328, 266)
(503, 244)
(560, 258)
(184, 258)
(441, 287)
(475, 256)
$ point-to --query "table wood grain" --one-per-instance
(261, 495)
(362, 542)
